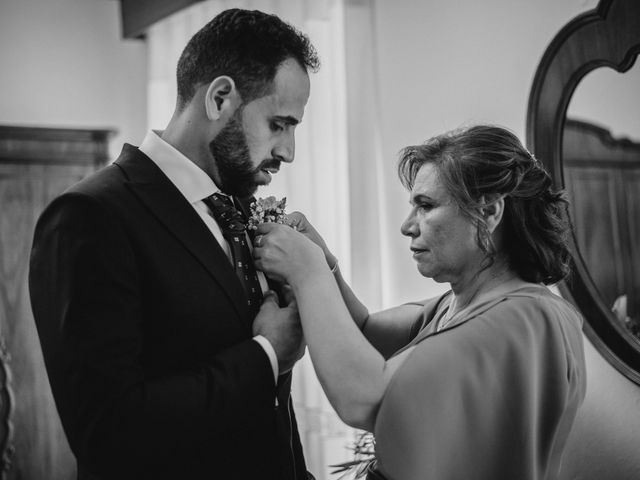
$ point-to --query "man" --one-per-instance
(156, 363)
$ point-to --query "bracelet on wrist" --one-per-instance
(334, 269)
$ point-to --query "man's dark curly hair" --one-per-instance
(246, 45)
(479, 163)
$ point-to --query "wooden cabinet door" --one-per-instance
(35, 166)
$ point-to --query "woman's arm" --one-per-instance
(353, 374)
(388, 330)
(359, 312)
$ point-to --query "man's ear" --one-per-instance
(493, 211)
(221, 98)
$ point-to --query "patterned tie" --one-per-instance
(232, 223)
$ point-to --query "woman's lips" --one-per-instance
(418, 251)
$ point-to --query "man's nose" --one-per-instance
(285, 148)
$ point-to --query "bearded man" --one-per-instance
(167, 354)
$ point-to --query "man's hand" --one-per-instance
(281, 326)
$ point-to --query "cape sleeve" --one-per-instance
(492, 398)
(390, 336)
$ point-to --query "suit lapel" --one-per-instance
(168, 205)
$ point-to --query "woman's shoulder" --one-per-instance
(430, 302)
(523, 313)
(535, 300)
(531, 323)
(427, 309)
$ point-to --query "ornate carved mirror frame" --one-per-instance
(608, 35)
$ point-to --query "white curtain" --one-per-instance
(335, 179)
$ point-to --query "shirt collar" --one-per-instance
(189, 179)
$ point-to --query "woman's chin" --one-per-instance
(429, 272)
(425, 271)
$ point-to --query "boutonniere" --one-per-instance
(265, 210)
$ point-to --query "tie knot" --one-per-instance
(225, 213)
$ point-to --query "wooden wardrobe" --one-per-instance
(36, 164)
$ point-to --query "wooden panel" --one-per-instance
(596, 222)
(602, 175)
(139, 15)
(631, 191)
(53, 146)
(36, 446)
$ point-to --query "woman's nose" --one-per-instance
(409, 226)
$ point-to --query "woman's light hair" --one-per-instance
(479, 163)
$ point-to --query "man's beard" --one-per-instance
(231, 154)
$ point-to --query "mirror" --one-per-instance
(588, 152)
(601, 168)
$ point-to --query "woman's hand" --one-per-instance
(285, 254)
(298, 221)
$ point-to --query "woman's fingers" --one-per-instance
(287, 294)
(264, 228)
(296, 220)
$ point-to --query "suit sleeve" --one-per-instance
(86, 296)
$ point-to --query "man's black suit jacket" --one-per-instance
(147, 338)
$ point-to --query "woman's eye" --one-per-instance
(276, 127)
(425, 207)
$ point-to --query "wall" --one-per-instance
(446, 64)
(64, 64)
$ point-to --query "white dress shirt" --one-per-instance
(195, 185)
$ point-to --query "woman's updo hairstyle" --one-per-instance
(480, 163)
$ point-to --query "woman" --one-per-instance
(483, 382)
